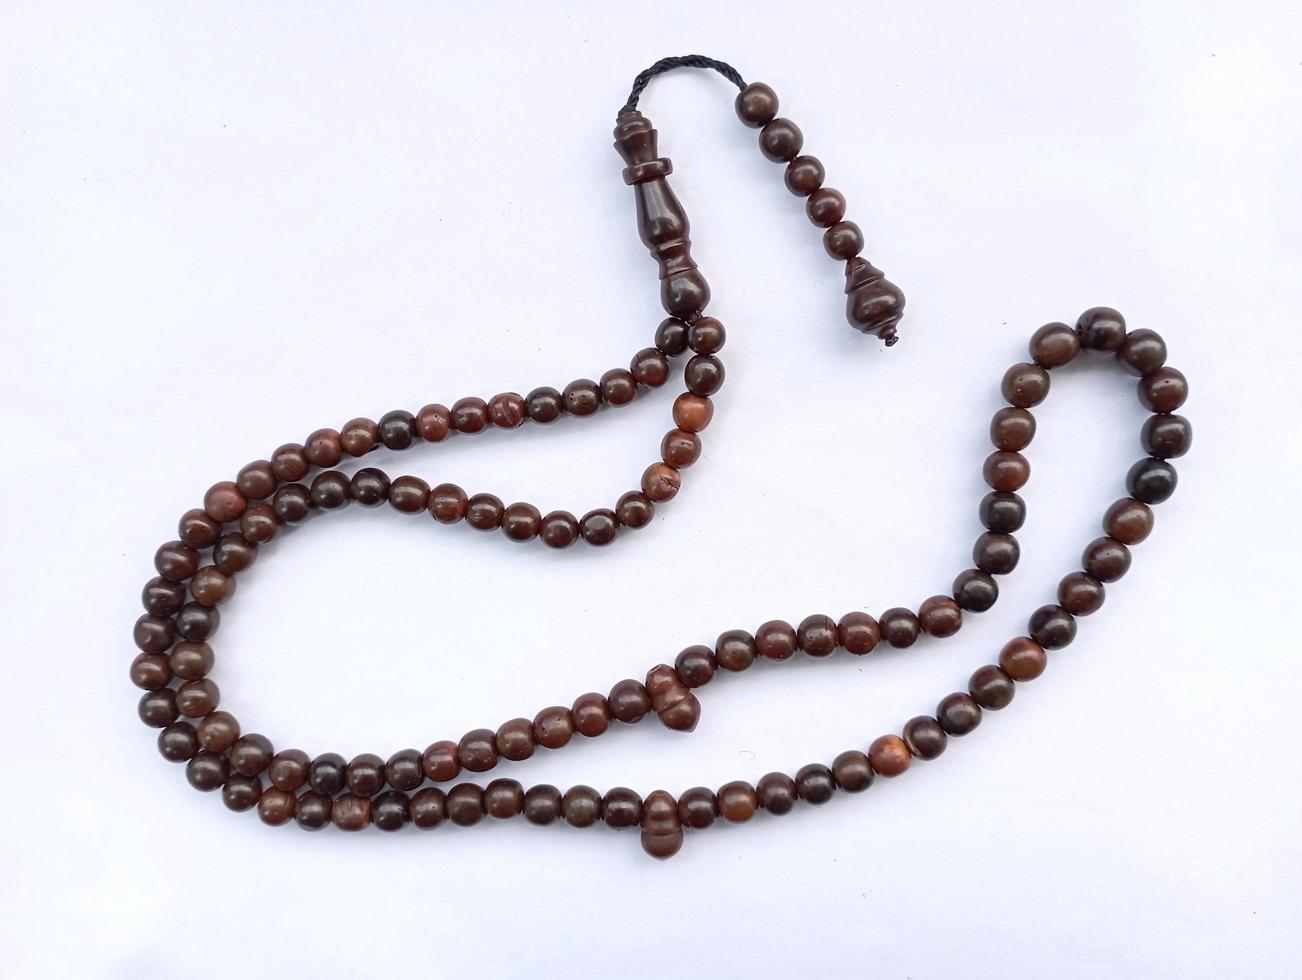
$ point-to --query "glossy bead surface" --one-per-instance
(1129, 521)
(1151, 480)
(756, 104)
(816, 635)
(599, 527)
(776, 793)
(1106, 559)
(1006, 471)
(1166, 436)
(734, 650)
(958, 714)
(428, 808)
(1022, 659)
(697, 807)
(940, 616)
(858, 633)
(581, 806)
(899, 627)
(804, 175)
(1102, 330)
(825, 207)
(924, 737)
(975, 590)
(1052, 627)
(1163, 389)
(991, 688)
(521, 522)
(1025, 385)
(1054, 345)
(1142, 352)
(844, 240)
(781, 140)
(775, 640)
(737, 801)
(1080, 594)
(888, 755)
(1002, 512)
(559, 529)
(852, 771)
(996, 554)
(815, 783)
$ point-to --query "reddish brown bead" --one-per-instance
(359, 436)
(991, 688)
(241, 792)
(697, 807)
(151, 671)
(157, 709)
(924, 737)
(441, 761)
(251, 754)
(888, 755)
(404, 770)
(542, 804)
(503, 799)
(734, 650)
(194, 699)
(328, 774)
(292, 503)
(521, 522)
(995, 553)
(1022, 659)
(660, 482)
(484, 512)
(1142, 352)
(1106, 559)
(259, 523)
(706, 335)
(825, 207)
(1052, 627)
(680, 448)
(780, 140)
(737, 801)
(409, 494)
(470, 415)
(618, 387)
(958, 714)
(649, 367)
(351, 813)
(590, 714)
(1163, 390)
(223, 502)
(975, 590)
(692, 413)
(776, 793)
(1006, 471)
(1102, 330)
(599, 527)
(1025, 385)
(581, 397)
(899, 627)
(313, 811)
(331, 490)
(288, 769)
(559, 529)
(1166, 436)
(197, 530)
(322, 448)
(544, 405)
(507, 410)
(852, 771)
(434, 422)
(816, 635)
(775, 640)
(553, 727)
(1128, 521)
(843, 240)
(581, 806)
(447, 503)
(276, 807)
(477, 751)
(1080, 594)
(210, 586)
(621, 807)
(1012, 429)
(289, 462)
(815, 783)
(858, 633)
(465, 804)
(804, 175)
(1054, 345)
(695, 665)
(218, 731)
(230, 555)
(940, 616)
(634, 510)
(429, 808)
(366, 774)
(756, 104)
(207, 771)
(370, 486)
(398, 429)
(178, 742)
(703, 375)
(671, 336)
(629, 701)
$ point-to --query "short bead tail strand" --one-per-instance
(242, 518)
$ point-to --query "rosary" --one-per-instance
(197, 573)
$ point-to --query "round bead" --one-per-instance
(815, 783)
(858, 633)
(1163, 390)
(359, 436)
(559, 529)
(328, 774)
(756, 104)
(289, 462)
(542, 804)
(660, 482)
(313, 811)
(996, 554)
(151, 671)
(470, 415)
(1102, 330)
(370, 486)
(581, 806)
(196, 623)
(1003, 513)
(1022, 659)
(1106, 559)
(178, 742)
(1025, 385)
(544, 405)
(590, 714)
(650, 367)
(251, 754)
(276, 807)
(292, 503)
(925, 738)
(975, 590)
(241, 792)
(706, 335)
(825, 207)
(697, 807)
(197, 530)
(218, 731)
(1151, 480)
(232, 554)
(958, 714)
(816, 635)
(503, 799)
(599, 527)
(259, 523)
(1166, 436)
(734, 650)
(940, 616)
(1054, 345)
(157, 709)
(775, 640)
(1012, 429)
(207, 771)
(621, 807)
(507, 410)
(441, 761)
(429, 808)
(434, 422)
(391, 810)
(843, 240)
(704, 374)
(852, 771)
(514, 739)
(618, 387)
(351, 813)
(331, 489)
(671, 336)
(781, 140)
(484, 512)
(224, 502)
(1006, 471)
(288, 770)
(581, 397)
(634, 510)
(1128, 520)
(447, 503)
(409, 494)
(888, 755)
(404, 770)
(553, 727)
(1052, 627)
(323, 448)
(692, 413)
(176, 561)
(695, 665)
(1080, 594)
(737, 801)
(465, 804)
(195, 699)
(477, 751)
(521, 522)
(629, 701)
(899, 627)
(991, 688)
(366, 774)
(776, 793)
(1142, 352)
(804, 175)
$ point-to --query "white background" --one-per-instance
(225, 225)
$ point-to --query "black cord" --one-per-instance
(682, 61)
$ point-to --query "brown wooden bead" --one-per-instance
(1054, 345)
(662, 833)
(404, 770)
(599, 527)
(441, 761)
(1022, 659)
(671, 336)
(210, 585)
(507, 410)
(629, 701)
(197, 530)
(218, 731)
(888, 755)
(618, 387)
(816, 635)
(925, 738)
(194, 699)
(559, 529)
(313, 811)
(899, 627)
(991, 688)
(958, 714)
(703, 375)
(288, 769)
(1163, 389)
(660, 482)
(776, 793)
(224, 502)
(775, 640)
(359, 436)
(323, 448)
(232, 554)
(366, 774)
(680, 448)
(1106, 559)
(1052, 627)
(503, 799)
(251, 754)
(178, 742)
(553, 727)
(1166, 436)
(158, 709)
(825, 207)
(409, 494)
(995, 553)
(351, 813)
(1012, 429)
(735, 650)
(1006, 471)
(695, 665)
(621, 807)
(331, 490)
(370, 486)
(1128, 521)
(634, 510)
(477, 751)
(151, 671)
(940, 616)
(581, 397)
(391, 810)
(259, 523)
(1080, 594)
(429, 808)
(590, 714)
(544, 405)
(975, 590)
(241, 792)
(697, 807)
(852, 771)
(1142, 352)
(434, 422)
(484, 512)
(858, 633)
(1025, 385)
(289, 462)
(581, 806)
(197, 623)
(207, 771)
(470, 415)
(780, 140)
(276, 807)
(737, 801)
(521, 522)
(843, 240)
(815, 783)
(706, 335)
(292, 503)
(756, 104)
(1102, 330)
(542, 804)
(649, 367)
(447, 503)
(1151, 480)
(465, 804)
(1002, 513)
(804, 175)
(692, 413)
(328, 774)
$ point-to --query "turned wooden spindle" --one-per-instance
(873, 303)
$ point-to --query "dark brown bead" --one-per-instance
(176, 561)
(218, 731)
(470, 415)
(559, 529)
(1142, 352)
(816, 635)
(1080, 594)
(1022, 659)
(706, 335)
(590, 714)
(197, 623)
(629, 701)
(692, 413)
(1102, 330)
(775, 640)
(1005, 471)
(581, 806)
(991, 688)
(1054, 345)
(404, 770)
(409, 494)
(1002, 512)
(599, 527)
(662, 828)
(704, 374)
(697, 807)
(194, 699)
(621, 807)
(331, 490)
(313, 811)
(671, 336)
(852, 771)
(680, 448)
(477, 751)
(521, 522)
(215, 583)
(843, 240)
(899, 627)
(366, 774)
(618, 387)
(151, 671)
(323, 448)
(503, 799)
(581, 397)
(157, 709)
(1163, 390)
(1106, 559)
(292, 503)
(359, 436)
(975, 590)
(661, 482)
(434, 422)
(958, 714)
(507, 410)
(241, 792)
(428, 808)
(398, 429)
(858, 633)
(996, 553)
(224, 502)
(447, 503)
(197, 530)
(178, 742)
(940, 616)
(1128, 521)
(288, 769)
(251, 754)
(776, 793)
(370, 486)
(542, 804)
(1151, 480)
(650, 367)
(484, 512)
(634, 510)
(351, 813)
(544, 405)
(888, 755)
(1025, 385)
(1166, 436)
(1012, 429)
(190, 661)
(780, 140)
(924, 737)
(207, 771)
(734, 650)
(804, 175)
(289, 462)
(514, 740)
(737, 801)
(276, 807)
(815, 783)
(553, 727)
(328, 773)
(465, 804)
(259, 523)
(756, 104)
(1052, 627)
(695, 665)
(441, 761)
(825, 207)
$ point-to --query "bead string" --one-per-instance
(239, 518)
